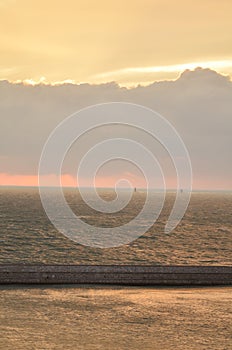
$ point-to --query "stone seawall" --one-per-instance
(116, 275)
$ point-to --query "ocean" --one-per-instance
(117, 318)
(101, 317)
(203, 237)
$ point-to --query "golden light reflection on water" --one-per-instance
(115, 318)
(204, 236)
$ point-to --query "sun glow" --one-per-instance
(225, 65)
(122, 76)
(43, 81)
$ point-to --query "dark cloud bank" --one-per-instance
(198, 104)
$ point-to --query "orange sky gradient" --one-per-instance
(106, 182)
(130, 42)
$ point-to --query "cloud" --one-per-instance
(198, 104)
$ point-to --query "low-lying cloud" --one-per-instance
(198, 104)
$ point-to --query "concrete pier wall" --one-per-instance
(116, 275)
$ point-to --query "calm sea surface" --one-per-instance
(69, 317)
(204, 236)
(115, 318)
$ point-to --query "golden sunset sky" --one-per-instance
(128, 41)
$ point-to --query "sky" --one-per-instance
(128, 41)
(59, 56)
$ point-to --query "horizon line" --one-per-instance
(121, 188)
